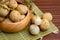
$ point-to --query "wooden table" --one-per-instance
(52, 6)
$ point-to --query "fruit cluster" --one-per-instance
(40, 23)
(12, 10)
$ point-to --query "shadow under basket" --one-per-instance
(15, 27)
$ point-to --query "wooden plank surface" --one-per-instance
(52, 6)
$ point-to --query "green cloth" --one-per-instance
(24, 34)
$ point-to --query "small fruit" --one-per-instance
(15, 16)
(1, 19)
(22, 8)
(22, 17)
(47, 16)
(45, 25)
(3, 12)
(13, 4)
(34, 29)
(36, 20)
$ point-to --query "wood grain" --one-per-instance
(52, 6)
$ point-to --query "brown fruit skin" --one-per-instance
(15, 16)
(13, 4)
(3, 12)
(45, 25)
(15, 27)
(1, 19)
(47, 16)
(22, 17)
(22, 9)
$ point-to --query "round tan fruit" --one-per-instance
(3, 12)
(47, 16)
(15, 16)
(22, 8)
(45, 25)
(13, 4)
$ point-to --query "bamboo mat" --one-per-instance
(24, 34)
